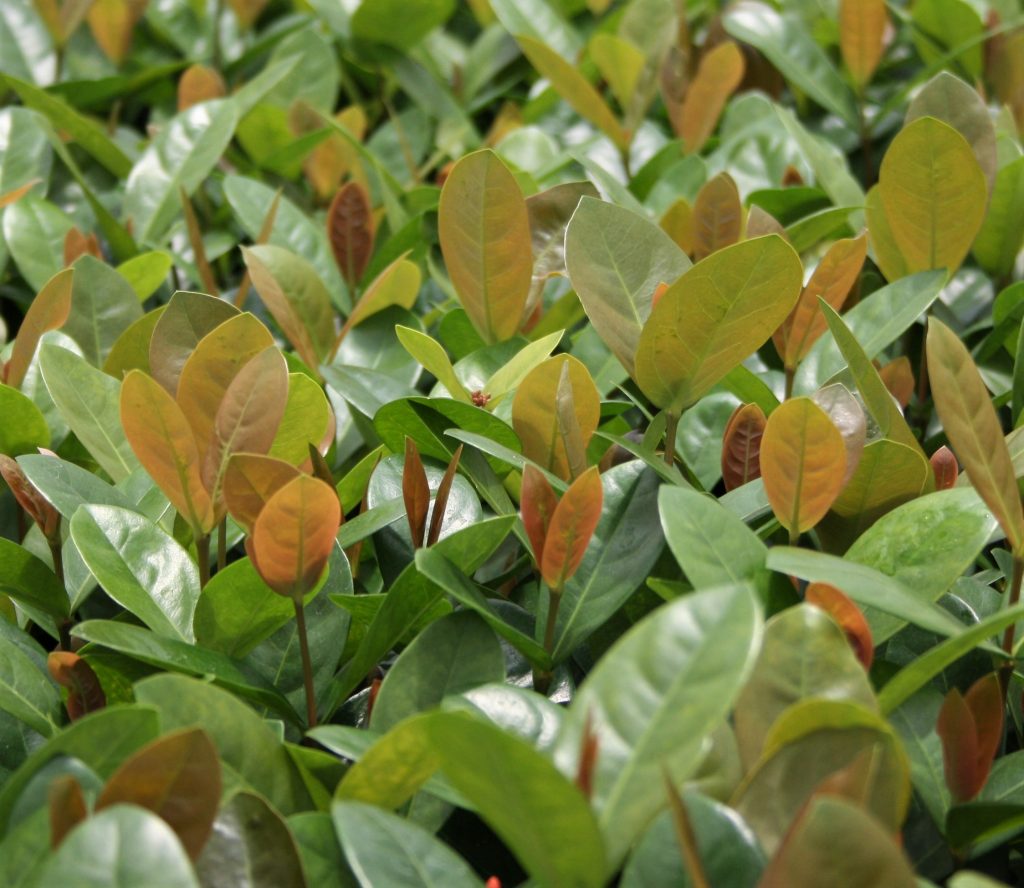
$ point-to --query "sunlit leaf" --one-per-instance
(199, 83)
(571, 526)
(718, 75)
(538, 503)
(48, 311)
(251, 479)
(862, 26)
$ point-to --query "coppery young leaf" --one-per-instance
(849, 617)
(741, 446)
(537, 502)
(67, 805)
(441, 498)
(415, 492)
(571, 527)
(945, 467)
(350, 231)
(85, 693)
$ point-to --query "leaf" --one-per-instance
(789, 45)
(887, 255)
(350, 231)
(945, 467)
(398, 284)
(24, 428)
(431, 354)
(973, 429)
(620, 64)
(296, 297)
(162, 440)
(653, 699)
(177, 777)
(181, 156)
(103, 305)
(189, 317)
(741, 446)
(934, 194)
(616, 259)
(199, 83)
(803, 461)
(146, 272)
(399, 24)
(47, 311)
(947, 98)
(837, 841)
(713, 317)
(1001, 235)
(34, 231)
(887, 475)
(711, 545)
(68, 807)
(719, 73)
(535, 414)
(74, 673)
(540, 816)
(112, 23)
(247, 419)
(971, 730)
(250, 837)
(571, 526)
(293, 536)
(140, 567)
(29, 581)
(415, 494)
(847, 615)
(862, 27)
(485, 238)
(804, 655)
(209, 371)
(537, 503)
(87, 399)
(832, 279)
(717, 216)
(123, 845)
(444, 489)
(572, 86)
(542, 21)
(28, 694)
(308, 421)
(383, 848)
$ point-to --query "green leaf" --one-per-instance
(926, 545)
(28, 580)
(34, 230)
(540, 815)
(250, 845)
(623, 550)
(804, 654)
(431, 354)
(653, 699)
(383, 849)
(923, 669)
(789, 45)
(88, 400)
(27, 693)
(452, 655)
(714, 317)
(120, 846)
(934, 194)
(103, 306)
(541, 20)
(146, 272)
(1002, 233)
(84, 132)
(322, 859)
(24, 428)
(399, 23)
(865, 585)
(140, 567)
(616, 258)
(247, 744)
(181, 156)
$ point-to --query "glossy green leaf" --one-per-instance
(140, 567)
(124, 845)
(616, 259)
(1002, 233)
(146, 272)
(88, 401)
(24, 428)
(383, 849)
(483, 225)
(34, 231)
(28, 694)
(431, 354)
(714, 317)
(181, 156)
(29, 581)
(307, 421)
(653, 698)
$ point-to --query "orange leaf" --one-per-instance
(678, 224)
(67, 807)
(178, 778)
(945, 467)
(803, 461)
(187, 318)
(659, 291)
(112, 23)
(350, 231)
(832, 280)
(862, 25)
(537, 502)
(78, 243)
(249, 481)
(718, 216)
(247, 418)
(741, 446)
(162, 439)
(849, 617)
(572, 525)
(294, 535)
(247, 11)
(441, 498)
(31, 500)
(72, 672)
(899, 379)
(971, 730)
(415, 492)
(199, 83)
(719, 74)
(48, 311)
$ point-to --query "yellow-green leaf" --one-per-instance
(620, 64)
(431, 354)
(715, 316)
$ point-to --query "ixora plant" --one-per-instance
(551, 442)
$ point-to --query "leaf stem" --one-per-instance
(671, 426)
(790, 378)
(222, 544)
(307, 664)
(554, 600)
(203, 558)
(1009, 634)
(685, 836)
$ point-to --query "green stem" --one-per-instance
(671, 426)
(203, 558)
(307, 664)
(222, 544)
(1010, 633)
(554, 600)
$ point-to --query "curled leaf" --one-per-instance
(741, 446)
(849, 617)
